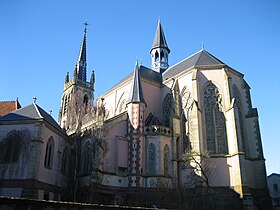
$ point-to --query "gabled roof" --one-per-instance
(31, 112)
(136, 92)
(152, 120)
(8, 106)
(159, 40)
(273, 174)
(200, 59)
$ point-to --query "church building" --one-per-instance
(172, 136)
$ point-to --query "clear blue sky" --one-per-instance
(40, 41)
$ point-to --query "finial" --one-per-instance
(34, 99)
(159, 19)
(202, 45)
(86, 24)
(50, 112)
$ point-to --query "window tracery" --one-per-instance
(16, 142)
(122, 106)
(166, 109)
(65, 161)
(166, 155)
(215, 121)
(88, 158)
(152, 158)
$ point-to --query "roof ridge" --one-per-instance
(38, 112)
(9, 101)
(212, 56)
(182, 61)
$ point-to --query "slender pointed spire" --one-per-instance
(159, 40)
(81, 65)
(136, 93)
(92, 78)
(67, 78)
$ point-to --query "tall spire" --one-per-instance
(81, 65)
(136, 93)
(159, 40)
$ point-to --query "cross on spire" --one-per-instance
(86, 24)
(202, 45)
(34, 99)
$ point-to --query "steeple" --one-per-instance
(159, 51)
(136, 93)
(78, 96)
(81, 65)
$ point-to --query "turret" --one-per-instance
(160, 51)
(136, 106)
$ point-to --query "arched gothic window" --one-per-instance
(166, 157)
(122, 106)
(49, 153)
(10, 147)
(152, 158)
(215, 121)
(166, 109)
(88, 158)
(65, 161)
(65, 104)
(85, 102)
(156, 56)
(162, 57)
(239, 118)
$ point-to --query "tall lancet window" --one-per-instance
(85, 102)
(152, 158)
(239, 119)
(166, 154)
(87, 158)
(216, 135)
(162, 57)
(156, 56)
(166, 109)
(49, 153)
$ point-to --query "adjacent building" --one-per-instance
(273, 181)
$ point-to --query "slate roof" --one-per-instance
(273, 174)
(159, 40)
(136, 92)
(152, 120)
(8, 106)
(199, 59)
(31, 112)
(145, 73)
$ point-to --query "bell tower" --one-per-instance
(77, 98)
(160, 51)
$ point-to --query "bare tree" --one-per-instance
(78, 109)
(199, 172)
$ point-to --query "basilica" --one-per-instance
(184, 136)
